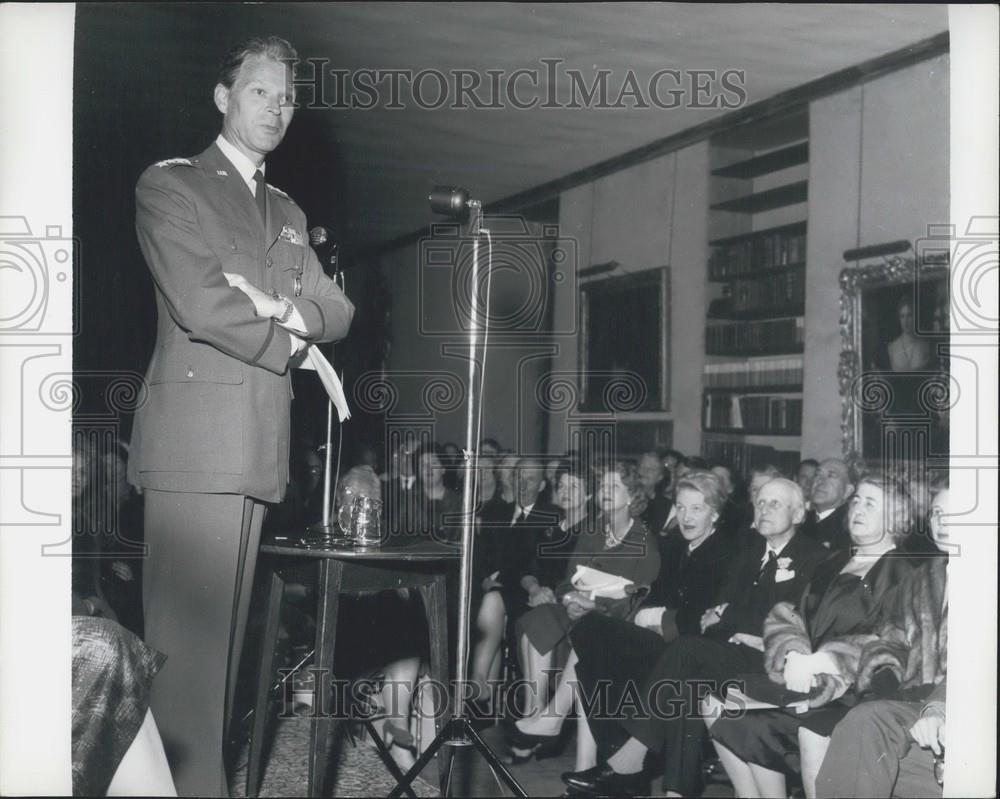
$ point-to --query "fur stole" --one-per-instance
(785, 632)
(913, 640)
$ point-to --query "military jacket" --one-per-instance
(215, 418)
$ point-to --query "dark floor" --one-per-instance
(360, 772)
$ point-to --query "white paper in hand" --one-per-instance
(314, 359)
(595, 583)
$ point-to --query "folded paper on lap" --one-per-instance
(595, 583)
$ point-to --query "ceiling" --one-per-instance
(385, 160)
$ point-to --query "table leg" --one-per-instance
(327, 599)
(265, 674)
(435, 606)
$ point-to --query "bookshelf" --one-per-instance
(755, 312)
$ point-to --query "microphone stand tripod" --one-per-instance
(458, 731)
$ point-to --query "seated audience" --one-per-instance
(693, 566)
(668, 720)
(487, 487)
(436, 509)
(744, 512)
(504, 575)
(618, 544)
(451, 458)
(505, 473)
(548, 493)
(816, 644)
(652, 478)
(731, 516)
(826, 519)
(694, 563)
(400, 482)
(805, 475)
(894, 744)
(673, 465)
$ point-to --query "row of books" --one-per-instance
(754, 372)
(775, 291)
(760, 413)
(745, 457)
(757, 254)
(747, 338)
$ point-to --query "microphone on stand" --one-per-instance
(324, 241)
(451, 201)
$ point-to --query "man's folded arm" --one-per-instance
(190, 278)
(324, 308)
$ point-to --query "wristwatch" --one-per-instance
(286, 314)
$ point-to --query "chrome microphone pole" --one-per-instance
(471, 473)
(459, 732)
(323, 242)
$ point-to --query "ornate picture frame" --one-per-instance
(893, 373)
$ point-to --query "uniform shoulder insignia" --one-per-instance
(280, 193)
(174, 162)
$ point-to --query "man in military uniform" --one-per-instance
(239, 293)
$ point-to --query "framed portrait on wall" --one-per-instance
(894, 370)
(624, 348)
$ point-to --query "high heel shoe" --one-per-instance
(400, 737)
(602, 780)
(538, 747)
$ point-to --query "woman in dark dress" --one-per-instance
(814, 648)
(437, 509)
(619, 545)
(542, 628)
(694, 566)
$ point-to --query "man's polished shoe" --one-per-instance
(583, 780)
(603, 780)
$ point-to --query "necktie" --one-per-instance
(260, 195)
(812, 518)
(768, 570)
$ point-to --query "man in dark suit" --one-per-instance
(774, 568)
(826, 521)
(238, 293)
(512, 536)
(509, 576)
(401, 486)
(652, 476)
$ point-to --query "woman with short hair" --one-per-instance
(618, 544)
(814, 648)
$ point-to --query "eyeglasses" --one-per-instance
(770, 504)
(939, 769)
